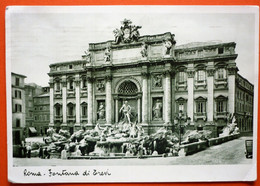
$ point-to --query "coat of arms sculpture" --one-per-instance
(127, 33)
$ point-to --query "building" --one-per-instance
(161, 82)
(18, 111)
(41, 112)
(31, 90)
(244, 104)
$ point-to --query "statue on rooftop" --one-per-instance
(127, 33)
(107, 55)
(167, 47)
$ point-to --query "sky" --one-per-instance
(40, 36)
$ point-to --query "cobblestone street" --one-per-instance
(231, 152)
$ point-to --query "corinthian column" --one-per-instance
(51, 104)
(210, 84)
(77, 82)
(190, 82)
(167, 96)
(108, 100)
(90, 100)
(145, 98)
(232, 70)
(64, 101)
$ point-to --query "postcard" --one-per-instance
(131, 93)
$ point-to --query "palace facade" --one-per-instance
(159, 80)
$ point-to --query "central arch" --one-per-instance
(128, 89)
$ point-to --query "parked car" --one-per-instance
(249, 148)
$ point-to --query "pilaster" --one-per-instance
(190, 82)
(232, 71)
(145, 75)
(77, 83)
(90, 80)
(210, 83)
(64, 100)
(108, 78)
(51, 103)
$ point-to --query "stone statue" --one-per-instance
(127, 32)
(126, 109)
(144, 50)
(157, 109)
(107, 56)
(135, 33)
(87, 56)
(167, 46)
(118, 35)
(101, 111)
(157, 81)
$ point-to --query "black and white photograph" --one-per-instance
(132, 93)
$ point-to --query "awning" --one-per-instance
(33, 130)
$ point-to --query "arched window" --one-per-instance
(127, 88)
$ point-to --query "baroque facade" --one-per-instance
(158, 79)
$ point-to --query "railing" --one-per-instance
(200, 115)
(220, 82)
(71, 118)
(58, 118)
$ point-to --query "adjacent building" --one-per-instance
(41, 112)
(31, 90)
(18, 111)
(160, 81)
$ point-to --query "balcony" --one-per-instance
(57, 94)
(181, 85)
(200, 115)
(71, 118)
(221, 83)
(220, 115)
(58, 118)
(84, 119)
(70, 93)
(200, 83)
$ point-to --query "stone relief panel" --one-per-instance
(157, 81)
(100, 86)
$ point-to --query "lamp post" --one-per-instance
(180, 118)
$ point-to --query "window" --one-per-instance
(58, 86)
(201, 75)
(35, 118)
(17, 81)
(220, 50)
(71, 84)
(40, 117)
(84, 83)
(84, 110)
(220, 106)
(70, 66)
(221, 73)
(70, 109)
(58, 110)
(18, 108)
(181, 107)
(200, 107)
(182, 77)
(17, 94)
(18, 123)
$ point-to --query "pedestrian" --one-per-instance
(46, 153)
(29, 149)
(23, 149)
(41, 152)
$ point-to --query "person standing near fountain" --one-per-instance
(126, 111)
